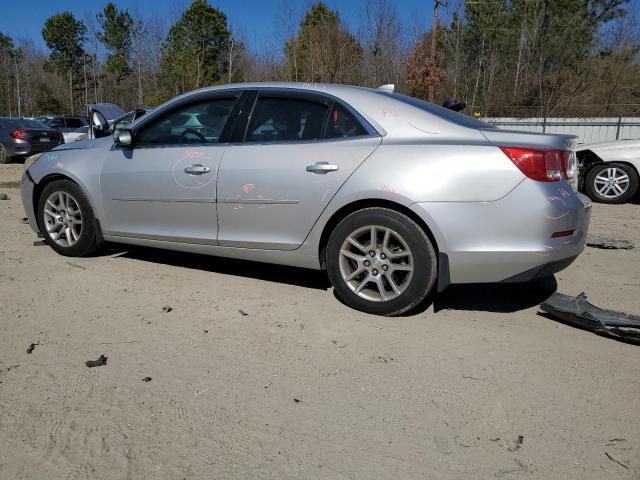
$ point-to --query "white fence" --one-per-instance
(588, 130)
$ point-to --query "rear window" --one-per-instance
(15, 123)
(450, 115)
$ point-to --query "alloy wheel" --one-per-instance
(63, 218)
(376, 263)
(611, 182)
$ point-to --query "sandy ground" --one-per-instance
(302, 386)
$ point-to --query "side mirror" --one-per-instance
(123, 137)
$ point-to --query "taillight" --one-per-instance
(20, 134)
(541, 164)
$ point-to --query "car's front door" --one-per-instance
(297, 151)
(164, 187)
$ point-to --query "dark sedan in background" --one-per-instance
(20, 137)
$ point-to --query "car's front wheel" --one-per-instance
(381, 262)
(66, 219)
(611, 183)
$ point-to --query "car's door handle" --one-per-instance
(196, 169)
(322, 167)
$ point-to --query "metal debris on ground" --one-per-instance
(146, 379)
(243, 313)
(296, 400)
(32, 347)
(609, 243)
(517, 445)
(39, 243)
(167, 308)
(102, 360)
(578, 312)
(24, 220)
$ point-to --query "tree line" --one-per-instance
(503, 57)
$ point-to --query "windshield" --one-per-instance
(450, 115)
(16, 123)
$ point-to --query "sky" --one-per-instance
(257, 19)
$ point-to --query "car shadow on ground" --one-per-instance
(496, 297)
(301, 277)
(492, 297)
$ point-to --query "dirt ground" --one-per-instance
(299, 385)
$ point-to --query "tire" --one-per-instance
(67, 205)
(399, 275)
(624, 178)
(4, 158)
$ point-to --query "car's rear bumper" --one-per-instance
(511, 239)
(18, 148)
(21, 148)
(26, 191)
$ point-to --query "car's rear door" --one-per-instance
(292, 153)
(164, 187)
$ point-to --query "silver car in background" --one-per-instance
(393, 196)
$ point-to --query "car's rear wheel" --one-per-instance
(381, 262)
(66, 219)
(4, 158)
(612, 183)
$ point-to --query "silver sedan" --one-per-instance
(394, 197)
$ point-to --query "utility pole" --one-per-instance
(434, 37)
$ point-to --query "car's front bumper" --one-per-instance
(26, 191)
(511, 239)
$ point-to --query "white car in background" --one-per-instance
(79, 134)
(609, 170)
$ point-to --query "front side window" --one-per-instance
(196, 123)
(343, 124)
(123, 122)
(285, 120)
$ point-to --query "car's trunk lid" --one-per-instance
(517, 138)
(41, 137)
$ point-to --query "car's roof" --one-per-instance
(332, 88)
(379, 107)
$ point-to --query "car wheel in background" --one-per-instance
(4, 158)
(381, 262)
(611, 183)
(66, 219)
